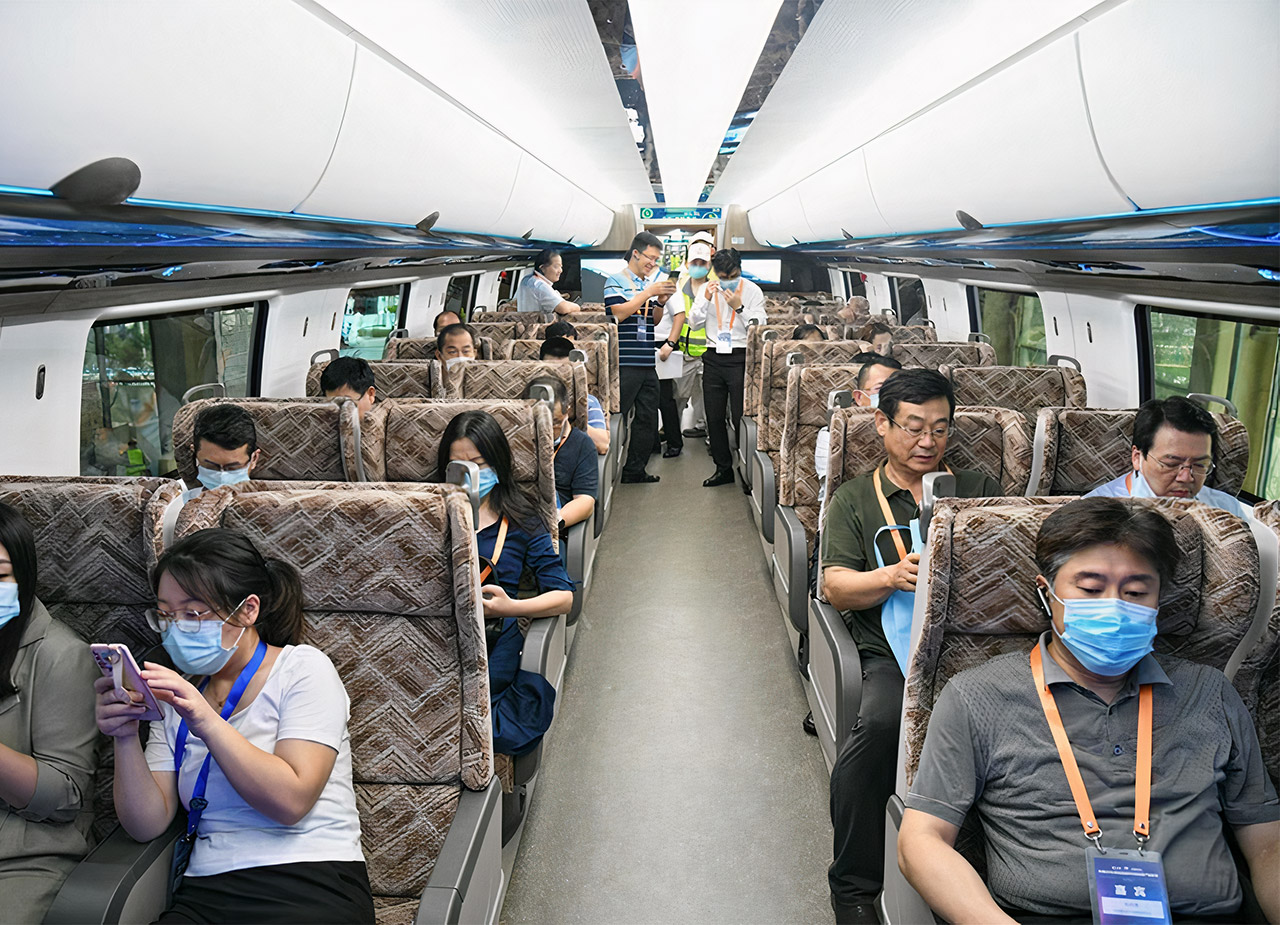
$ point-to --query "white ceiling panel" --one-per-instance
(694, 75)
(534, 69)
(863, 66)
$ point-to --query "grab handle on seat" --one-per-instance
(1205, 398)
(794, 359)
(576, 356)
(978, 337)
(1058, 359)
(466, 474)
(331, 354)
(889, 312)
(935, 485)
(837, 399)
(195, 389)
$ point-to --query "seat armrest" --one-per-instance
(899, 904)
(791, 550)
(120, 880)
(746, 445)
(764, 491)
(835, 668)
(468, 870)
(578, 562)
(544, 649)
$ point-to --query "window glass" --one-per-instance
(1015, 323)
(909, 300)
(853, 284)
(1232, 359)
(135, 373)
(507, 285)
(368, 319)
(460, 295)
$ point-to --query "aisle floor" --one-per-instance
(677, 783)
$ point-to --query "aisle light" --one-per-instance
(695, 61)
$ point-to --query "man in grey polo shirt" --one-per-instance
(1102, 564)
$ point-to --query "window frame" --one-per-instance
(972, 292)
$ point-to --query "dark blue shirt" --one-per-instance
(524, 551)
(577, 472)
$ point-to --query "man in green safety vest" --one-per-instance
(135, 460)
(693, 341)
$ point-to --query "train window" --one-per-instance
(507, 284)
(461, 294)
(853, 284)
(136, 372)
(908, 300)
(370, 315)
(1234, 359)
(1015, 323)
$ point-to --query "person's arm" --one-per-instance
(578, 510)
(17, 777)
(848, 583)
(283, 785)
(752, 301)
(698, 311)
(597, 425)
(1260, 845)
(600, 437)
(940, 874)
(565, 307)
(554, 582)
(637, 302)
(677, 325)
(145, 795)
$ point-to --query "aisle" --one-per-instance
(677, 785)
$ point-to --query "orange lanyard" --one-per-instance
(497, 552)
(1128, 483)
(888, 514)
(559, 446)
(1142, 777)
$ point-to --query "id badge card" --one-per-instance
(642, 327)
(724, 342)
(1127, 887)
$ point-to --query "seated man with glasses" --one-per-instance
(863, 565)
(1175, 442)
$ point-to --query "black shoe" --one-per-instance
(643, 478)
(694, 432)
(721, 477)
(855, 913)
(808, 726)
(671, 452)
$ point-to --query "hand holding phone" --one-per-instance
(118, 664)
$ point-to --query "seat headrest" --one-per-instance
(934, 355)
(1025, 389)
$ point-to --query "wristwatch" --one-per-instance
(673, 345)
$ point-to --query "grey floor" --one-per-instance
(678, 785)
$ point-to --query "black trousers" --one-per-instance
(314, 891)
(861, 784)
(723, 375)
(639, 387)
(670, 413)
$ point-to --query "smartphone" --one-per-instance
(117, 662)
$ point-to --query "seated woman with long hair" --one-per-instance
(47, 737)
(263, 722)
(512, 542)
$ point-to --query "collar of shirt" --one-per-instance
(1147, 671)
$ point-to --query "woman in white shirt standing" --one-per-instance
(537, 290)
(263, 722)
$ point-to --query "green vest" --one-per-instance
(692, 341)
(136, 462)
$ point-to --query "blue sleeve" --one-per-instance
(595, 413)
(542, 559)
(615, 291)
(586, 477)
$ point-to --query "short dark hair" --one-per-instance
(1179, 413)
(557, 389)
(915, 386)
(559, 329)
(435, 322)
(804, 330)
(450, 329)
(19, 540)
(353, 372)
(642, 242)
(726, 261)
(868, 360)
(225, 425)
(223, 567)
(1089, 522)
(544, 257)
(556, 348)
(484, 431)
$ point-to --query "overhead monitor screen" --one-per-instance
(604, 267)
(762, 271)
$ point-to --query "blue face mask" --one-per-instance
(201, 652)
(699, 272)
(8, 601)
(728, 285)
(216, 478)
(1107, 635)
(488, 478)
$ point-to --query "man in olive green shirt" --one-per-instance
(914, 418)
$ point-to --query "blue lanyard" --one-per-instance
(196, 808)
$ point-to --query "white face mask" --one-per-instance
(452, 362)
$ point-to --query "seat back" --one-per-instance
(509, 378)
(756, 337)
(913, 333)
(299, 438)
(1023, 388)
(599, 377)
(772, 385)
(1258, 679)
(391, 593)
(991, 440)
(96, 541)
(1080, 448)
(592, 331)
(402, 438)
(518, 317)
(395, 379)
(805, 413)
(934, 355)
(499, 332)
(424, 348)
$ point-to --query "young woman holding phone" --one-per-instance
(259, 731)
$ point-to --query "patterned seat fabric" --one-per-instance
(1085, 447)
(932, 356)
(424, 348)
(518, 317)
(755, 337)
(592, 331)
(599, 375)
(592, 313)
(772, 386)
(808, 388)
(396, 379)
(298, 438)
(391, 595)
(980, 599)
(509, 379)
(991, 440)
(914, 333)
(1025, 389)
(96, 541)
(1258, 678)
(498, 332)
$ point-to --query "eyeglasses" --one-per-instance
(187, 621)
(1197, 468)
(916, 433)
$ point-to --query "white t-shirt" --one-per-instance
(536, 294)
(303, 698)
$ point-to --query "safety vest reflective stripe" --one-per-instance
(136, 462)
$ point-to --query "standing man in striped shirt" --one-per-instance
(632, 301)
